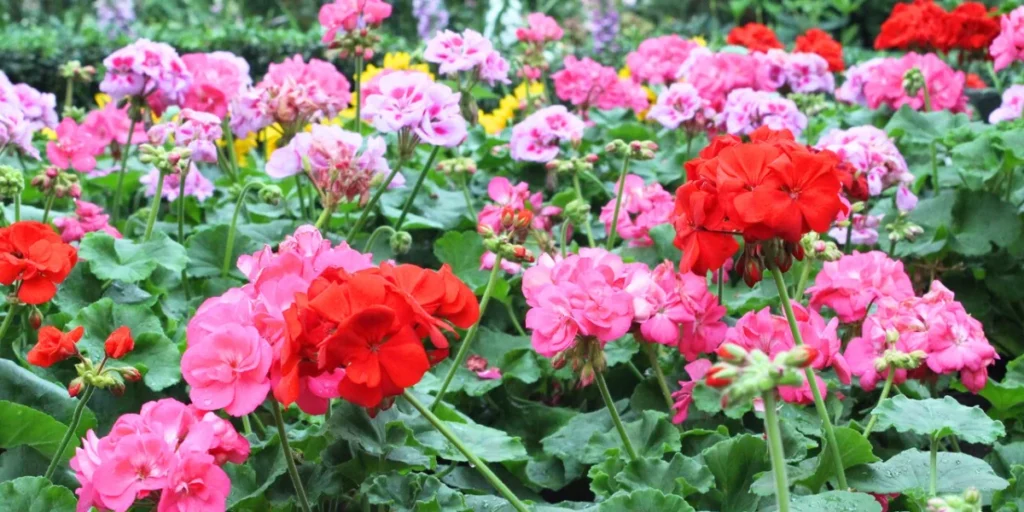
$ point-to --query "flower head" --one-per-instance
(1008, 46)
(54, 346)
(32, 253)
(754, 36)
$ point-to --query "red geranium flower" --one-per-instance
(31, 252)
(970, 26)
(119, 343)
(802, 196)
(819, 42)
(54, 346)
(702, 233)
(973, 81)
(743, 171)
(912, 26)
(755, 37)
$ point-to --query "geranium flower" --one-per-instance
(32, 253)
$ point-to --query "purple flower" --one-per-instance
(906, 201)
(746, 110)
(431, 16)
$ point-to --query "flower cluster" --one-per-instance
(197, 131)
(657, 59)
(419, 109)
(746, 110)
(349, 15)
(880, 81)
(934, 328)
(821, 43)
(34, 256)
(88, 218)
(292, 93)
(872, 155)
(149, 70)
(587, 84)
(168, 448)
(467, 52)
(755, 37)
(677, 309)
(38, 109)
(642, 207)
(317, 322)
(218, 78)
(681, 104)
(335, 161)
(541, 29)
(196, 184)
(517, 198)
(1012, 105)
(1008, 46)
(537, 138)
(852, 284)
(109, 124)
(770, 187)
(75, 148)
(923, 25)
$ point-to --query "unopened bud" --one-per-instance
(130, 374)
(731, 352)
(35, 318)
(271, 194)
(719, 376)
(75, 387)
(401, 242)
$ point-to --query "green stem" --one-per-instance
(374, 235)
(805, 273)
(155, 207)
(564, 246)
(303, 212)
(935, 168)
(467, 196)
(721, 285)
(819, 403)
(115, 209)
(927, 98)
(49, 204)
(848, 246)
(885, 394)
(416, 188)
(325, 217)
(229, 142)
(996, 83)
(689, 142)
(775, 450)
(586, 222)
(246, 425)
(652, 355)
(69, 94)
(607, 397)
(474, 461)
(76, 417)
(373, 201)
(226, 264)
(359, 93)
(515, 321)
(8, 320)
(17, 207)
(181, 206)
(933, 482)
(618, 203)
(293, 471)
(460, 357)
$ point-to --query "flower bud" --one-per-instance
(731, 352)
(752, 272)
(130, 374)
(719, 376)
(485, 230)
(75, 387)
(913, 81)
(35, 318)
(119, 343)
(401, 242)
(12, 182)
(117, 388)
(271, 194)
(577, 211)
(892, 336)
(802, 356)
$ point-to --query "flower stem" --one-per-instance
(17, 207)
(805, 273)
(374, 235)
(181, 206)
(373, 201)
(246, 425)
(607, 397)
(460, 357)
(76, 418)
(996, 83)
(325, 217)
(515, 321)
(226, 265)
(885, 394)
(618, 203)
(935, 167)
(51, 197)
(933, 483)
(474, 461)
(586, 222)
(848, 246)
(775, 450)
(229, 142)
(293, 471)
(416, 188)
(155, 207)
(819, 403)
(652, 355)
(468, 197)
(301, 192)
(721, 286)
(564, 246)
(69, 94)
(115, 209)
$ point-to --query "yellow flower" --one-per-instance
(699, 40)
(243, 147)
(536, 90)
(102, 99)
(651, 98)
(493, 124)
(397, 60)
(48, 133)
(271, 136)
(624, 72)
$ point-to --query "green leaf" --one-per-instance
(939, 418)
(252, 479)
(568, 442)
(645, 499)
(411, 492)
(23, 387)
(683, 475)
(910, 470)
(155, 356)
(80, 289)
(125, 260)
(462, 250)
(36, 494)
(25, 426)
(835, 501)
(734, 463)
(984, 220)
(602, 476)
(653, 435)
(206, 250)
(854, 450)
(663, 236)
(923, 127)
(1011, 498)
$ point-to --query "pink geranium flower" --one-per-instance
(455, 52)
(643, 207)
(411, 102)
(87, 219)
(540, 28)
(348, 15)
(140, 463)
(657, 59)
(196, 484)
(680, 103)
(1008, 46)
(537, 138)
(110, 124)
(746, 110)
(228, 369)
(849, 286)
(684, 397)
(587, 84)
(218, 78)
(75, 147)
(1012, 105)
(196, 185)
(147, 69)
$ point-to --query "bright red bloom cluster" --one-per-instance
(755, 37)
(922, 25)
(33, 254)
(770, 187)
(821, 43)
(371, 324)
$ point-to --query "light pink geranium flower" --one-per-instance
(1008, 46)
(218, 78)
(348, 15)
(228, 369)
(195, 485)
(540, 28)
(75, 147)
(850, 285)
(537, 138)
